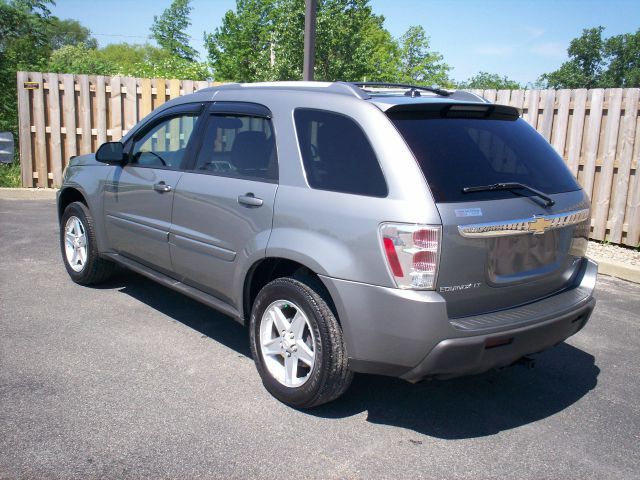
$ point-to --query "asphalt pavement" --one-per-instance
(132, 380)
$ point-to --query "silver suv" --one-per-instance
(386, 229)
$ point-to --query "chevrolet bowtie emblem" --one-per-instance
(539, 225)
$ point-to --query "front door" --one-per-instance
(139, 196)
(223, 206)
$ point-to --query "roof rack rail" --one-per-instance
(350, 88)
(412, 90)
(343, 88)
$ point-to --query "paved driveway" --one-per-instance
(131, 380)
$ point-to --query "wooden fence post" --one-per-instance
(24, 131)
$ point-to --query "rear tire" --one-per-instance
(79, 247)
(291, 327)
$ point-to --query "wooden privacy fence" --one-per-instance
(61, 116)
(597, 132)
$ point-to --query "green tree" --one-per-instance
(126, 59)
(344, 50)
(263, 40)
(485, 80)
(69, 32)
(23, 46)
(160, 63)
(125, 55)
(80, 59)
(418, 64)
(623, 55)
(598, 62)
(240, 49)
(168, 29)
(584, 67)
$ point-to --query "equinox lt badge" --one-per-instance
(457, 288)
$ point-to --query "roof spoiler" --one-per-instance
(455, 110)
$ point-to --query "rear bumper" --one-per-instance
(409, 335)
(477, 354)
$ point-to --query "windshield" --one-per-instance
(454, 153)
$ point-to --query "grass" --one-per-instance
(10, 175)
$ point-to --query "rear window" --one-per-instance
(454, 153)
(337, 155)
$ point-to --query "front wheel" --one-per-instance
(79, 247)
(297, 345)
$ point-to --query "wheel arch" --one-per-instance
(75, 193)
(67, 196)
(268, 269)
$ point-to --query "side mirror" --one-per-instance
(6, 147)
(111, 152)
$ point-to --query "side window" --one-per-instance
(337, 155)
(164, 145)
(240, 146)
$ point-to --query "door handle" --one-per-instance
(162, 187)
(250, 200)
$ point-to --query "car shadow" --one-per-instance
(476, 406)
(215, 325)
(460, 408)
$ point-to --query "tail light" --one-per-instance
(412, 253)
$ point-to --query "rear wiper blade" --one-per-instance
(510, 186)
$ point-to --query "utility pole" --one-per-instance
(309, 39)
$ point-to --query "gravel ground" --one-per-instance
(626, 255)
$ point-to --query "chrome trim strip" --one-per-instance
(536, 224)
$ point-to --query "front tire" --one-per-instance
(297, 345)
(79, 247)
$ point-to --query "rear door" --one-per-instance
(500, 248)
(139, 196)
(223, 207)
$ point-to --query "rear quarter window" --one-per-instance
(454, 153)
(337, 155)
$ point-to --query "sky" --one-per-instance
(518, 38)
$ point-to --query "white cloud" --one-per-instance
(550, 50)
(494, 49)
(535, 32)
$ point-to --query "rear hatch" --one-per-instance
(505, 245)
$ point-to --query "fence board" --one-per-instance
(592, 140)
(161, 92)
(146, 100)
(596, 132)
(40, 143)
(101, 110)
(624, 171)
(85, 115)
(547, 114)
(116, 108)
(130, 103)
(187, 87)
(54, 123)
(561, 121)
(201, 84)
(490, 95)
(532, 107)
(577, 127)
(600, 204)
(174, 89)
(633, 235)
(503, 97)
(69, 117)
(24, 129)
(517, 99)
